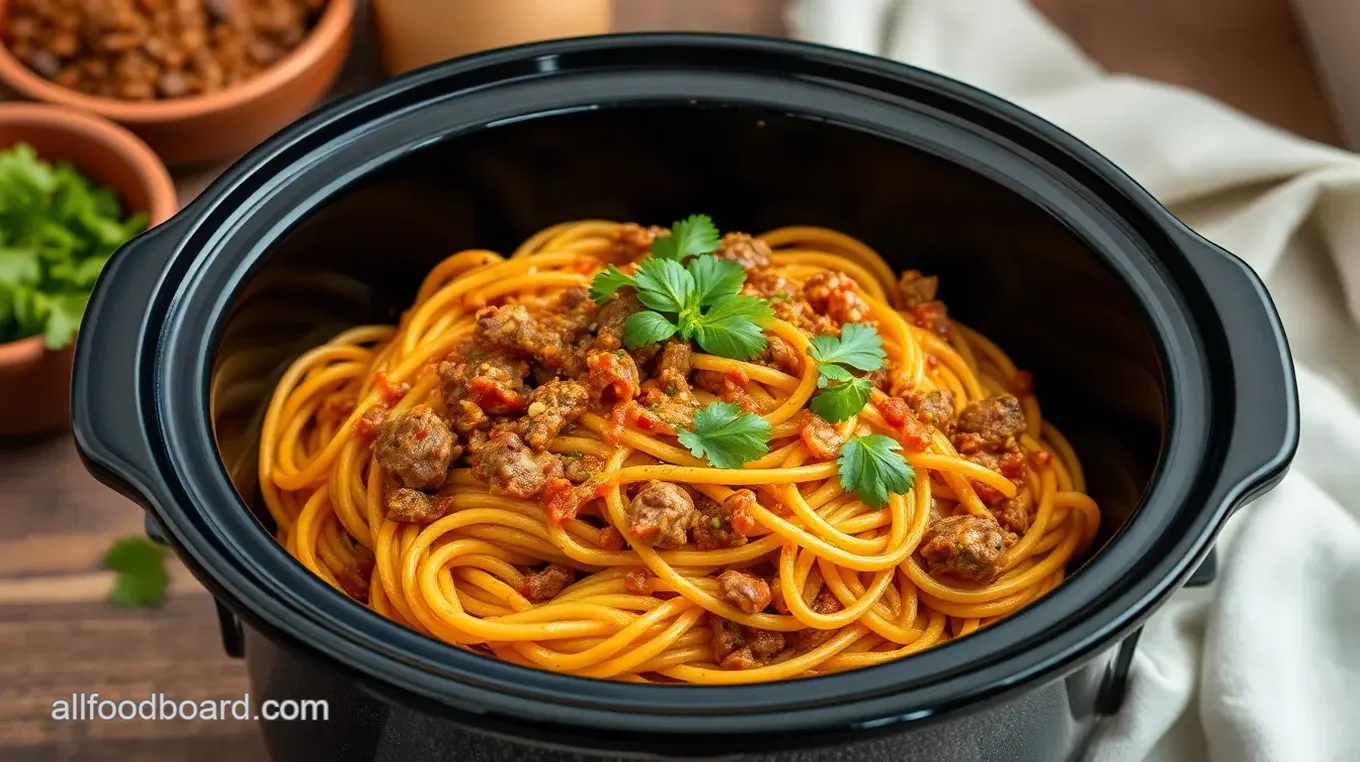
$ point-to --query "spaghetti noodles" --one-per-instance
(499, 473)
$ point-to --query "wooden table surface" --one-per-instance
(58, 636)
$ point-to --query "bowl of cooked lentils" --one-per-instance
(198, 80)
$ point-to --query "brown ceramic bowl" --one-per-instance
(202, 128)
(35, 384)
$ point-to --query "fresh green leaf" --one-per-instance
(715, 278)
(858, 346)
(689, 238)
(63, 318)
(108, 231)
(605, 284)
(872, 467)
(841, 401)
(134, 225)
(20, 266)
(731, 327)
(133, 554)
(696, 301)
(141, 576)
(646, 328)
(664, 285)
(833, 373)
(28, 309)
(57, 231)
(85, 273)
(726, 436)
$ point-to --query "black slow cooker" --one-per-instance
(1159, 354)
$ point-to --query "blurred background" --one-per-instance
(59, 632)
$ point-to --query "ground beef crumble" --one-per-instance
(737, 646)
(748, 593)
(417, 447)
(551, 407)
(543, 585)
(969, 548)
(511, 468)
(661, 515)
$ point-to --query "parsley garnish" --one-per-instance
(843, 393)
(873, 467)
(57, 231)
(726, 436)
(731, 328)
(841, 401)
(606, 283)
(647, 328)
(697, 300)
(142, 578)
(715, 278)
(689, 238)
(858, 346)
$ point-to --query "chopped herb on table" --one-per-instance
(142, 579)
(57, 230)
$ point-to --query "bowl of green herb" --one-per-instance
(73, 189)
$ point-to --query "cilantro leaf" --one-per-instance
(689, 237)
(840, 402)
(664, 285)
(715, 278)
(605, 284)
(690, 293)
(646, 328)
(20, 266)
(726, 436)
(858, 346)
(833, 373)
(141, 576)
(63, 318)
(731, 327)
(873, 467)
(57, 231)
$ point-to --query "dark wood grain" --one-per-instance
(57, 634)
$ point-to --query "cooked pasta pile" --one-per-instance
(658, 455)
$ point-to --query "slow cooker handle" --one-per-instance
(1265, 426)
(1115, 684)
(107, 401)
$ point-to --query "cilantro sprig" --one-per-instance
(872, 467)
(690, 293)
(726, 436)
(689, 237)
(57, 231)
(843, 393)
(141, 576)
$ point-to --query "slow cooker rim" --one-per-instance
(1155, 215)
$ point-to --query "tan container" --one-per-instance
(1332, 28)
(226, 123)
(413, 33)
(35, 383)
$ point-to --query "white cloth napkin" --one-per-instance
(1265, 663)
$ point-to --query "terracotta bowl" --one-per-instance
(202, 128)
(35, 384)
